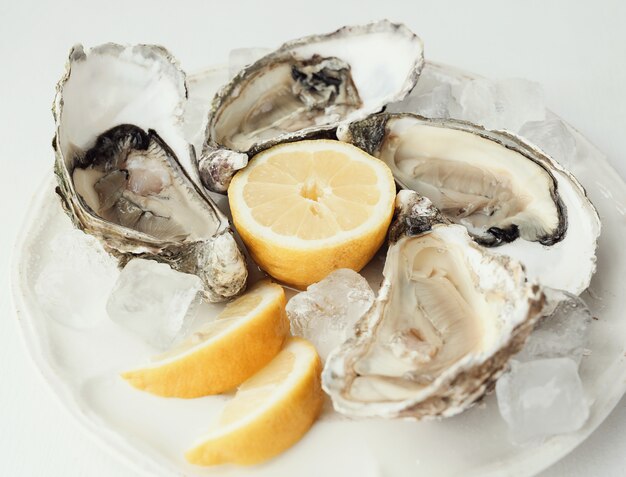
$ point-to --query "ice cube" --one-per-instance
(73, 286)
(431, 97)
(241, 57)
(155, 302)
(553, 136)
(326, 312)
(541, 398)
(431, 77)
(433, 104)
(476, 100)
(503, 104)
(561, 334)
(519, 101)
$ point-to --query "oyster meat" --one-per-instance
(306, 88)
(119, 165)
(448, 316)
(506, 192)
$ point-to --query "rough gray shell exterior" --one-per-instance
(217, 260)
(369, 134)
(217, 164)
(413, 215)
(547, 258)
(457, 389)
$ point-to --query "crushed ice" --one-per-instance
(326, 312)
(541, 398)
(73, 288)
(554, 138)
(561, 334)
(542, 394)
(499, 104)
(154, 302)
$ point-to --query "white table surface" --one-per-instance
(577, 52)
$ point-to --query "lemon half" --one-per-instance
(306, 208)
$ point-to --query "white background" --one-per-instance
(576, 51)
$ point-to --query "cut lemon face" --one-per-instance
(270, 412)
(244, 338)
(306, 208)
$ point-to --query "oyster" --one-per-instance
(448, 316)
(305, 88)
(119, 154)
(498, 186)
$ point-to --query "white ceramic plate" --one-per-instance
(150, 433)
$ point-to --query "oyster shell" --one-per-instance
(505, 191)
(306, 88)
(119, 154)
(448, 316)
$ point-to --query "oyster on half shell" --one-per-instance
(306, 88)
(119, 165)
(448, 316)
(505, 191)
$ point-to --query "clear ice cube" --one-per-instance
(241, 57)
(155, 302)
(541, 398)
(476, 100)
(561, 334)
(433, 104)
(553, 137)
(326, 312)
(519, 101)
(431, 77)
(503, 104)
(73, 286)
(431, 97)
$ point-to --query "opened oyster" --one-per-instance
(304, 88)
(496, 185)
(448, 316)
(118, 164)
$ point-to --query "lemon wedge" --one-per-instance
(306, 208)
(245, 337)
(270, 412)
